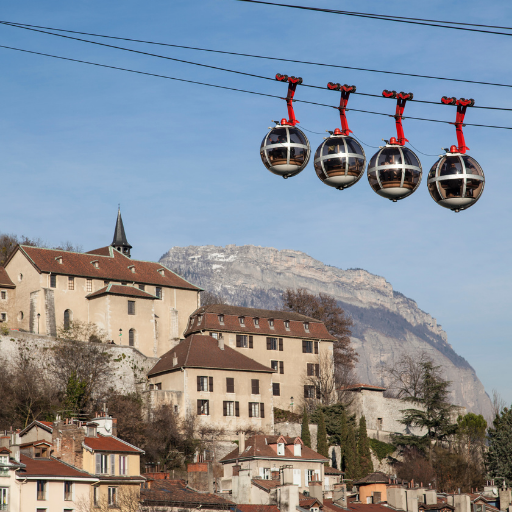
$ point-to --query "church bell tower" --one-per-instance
(120, 243)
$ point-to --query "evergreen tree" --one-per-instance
(322, 446)
(499, 455)
(342, 436)
(334, 462)
(363, 450)
(351, 464)
(305, 434)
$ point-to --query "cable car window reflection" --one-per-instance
(278, 136)
(373, 161)
(432, 172)
(390, 156)
(411, 177)
(410, 158)
(296, 137)
(277, 156)
(390, 178)
(334, 165)
(452, 165)
(451, 188)
(432, 187)
(472, 166)
(353, 147)
(297, 156)
(473, 188)
(334, 147)
(372, 178)
(354, 165)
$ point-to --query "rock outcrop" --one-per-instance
(386, 323)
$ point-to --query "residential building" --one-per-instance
(223, 387)
(9, 464)
(294, 345)
(137, 303)
(373, 487)
(263, 457)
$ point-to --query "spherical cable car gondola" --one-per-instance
(340, 160)
(456, 181)
(394, 172)
(285, 150)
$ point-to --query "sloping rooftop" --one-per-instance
(257, 508)
(258, 446)
(50, 467)
(110, 444)
(113, 267)
(373, 478)
(359, 387)
(46, 425)
(5, 280)
(330, 506)
(231, 322)
(203, 352)
(266, 485)
(332, 471)
(118, 289)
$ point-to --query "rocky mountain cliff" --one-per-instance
(386, 323)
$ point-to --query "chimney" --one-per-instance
(287, 475)
(396, 498)
(241, 442)
(242, 485)
(461, 502)
(339, 495)
(315, 490)
(288, 497)
(221, 342)
(505, 498)
(174, 360)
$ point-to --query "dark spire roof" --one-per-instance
(119, 234)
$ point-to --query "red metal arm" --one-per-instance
(292, 85)
(345, 94)
(401, 100)
(462, 105)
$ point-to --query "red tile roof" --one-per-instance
(203, 352)
(49, 467)
(46, 425)
(257, 508)
(373, 478)
(176, 492)
(118, 289)
(266, 484)
(5, 280)
(232, 314)
(329, 506)
(258, 446)
(332, 471)
(113, 267)
(308, 502)
(110, 444)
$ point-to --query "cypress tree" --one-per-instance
(363, 449)
(499, 462)
(305, 434)
(322, 446)
(343, 441)
(334, 462)
(352, 466)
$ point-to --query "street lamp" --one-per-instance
(120, 334)
(291, 403)
(38, 317)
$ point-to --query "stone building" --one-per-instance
(137, 303)
(294, 345)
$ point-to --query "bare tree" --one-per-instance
(126, 499)
(498, 404)
(210, 298)
(78, 330)
(320, 382)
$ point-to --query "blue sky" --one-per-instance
(183, 160)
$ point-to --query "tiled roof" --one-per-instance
(113, 267)
(257, 508)
(5, 280)
(46, 425)
(332, 471)
(49, 467)
(308, 501)
(118, 289)
(330, 506)
(257, 447)
(435, 506)
(359, 387)
(231, 323)
(110, 444)
(204, 352)
(177, 492)
(373, 478)
(266, 484)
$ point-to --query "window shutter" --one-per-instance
(250, 410)
(251, 342)
(98, 463)
(316, 347)
(304, 346)
(238, 340)
(317, 370)
(268, 344)
(308, 372)
(112, 464)
(210, 384)
(262, 410)
(237, 409)
(281, 367)
(198, 383)
(255, 384)
(199, 407)
(225, 408)
(230, 385)
(280, 344)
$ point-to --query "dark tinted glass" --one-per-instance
(277, 156)
(333, 146)
(372, 178)
(472, 166)
(353, 146)
(451, 188)
(410, 158)
(319, 171)
(373, 161)
(355, 166)
(318, 151)
(432, 188)
(334, 166)
(297, 156)
(432, 173)
(277, 135)
(452, 165)
(390, 156)
(411, 178)
(297, 136)
(474, 188)
(390, 177)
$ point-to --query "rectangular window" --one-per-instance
(256, 410)
(4, 498)
(68, 491)
(276, 389)
(204, 383)
(41, 490)
(4, 295)
(241, 319)
(203, 407)
(131, 307)
(309, 391)
(256, 322)
(287, 325)
(281, 367)
(311, 473)
(271, 323)
(71, 283)
(230, 385)
(53, 281)
(101, 464)
(280, 344)
(274, 365)
(95, 496)
(231, 409)
(313, 370)
(3, 317)
(272, 343)
(158, 292)
(214, 335)
(112, 496)
(255, 386)
(297, 477)
(123, 465)
(242, 341)
(307, 347)
(265, 474)
(251, 342)
(142, 287)
(89, 285)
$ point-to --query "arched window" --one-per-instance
(68, 318)
(20, 316)
(131, 338)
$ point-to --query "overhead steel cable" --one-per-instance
(235, 89)
(375, 17)
(252, 75)
(265, 57)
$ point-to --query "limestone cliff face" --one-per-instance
(386, 323)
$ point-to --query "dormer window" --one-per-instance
(58, 259)
(280, 448)
(287, 325)
(271, 323)
(199, 319)
(306, 326)
(297, 450)
(91, 431)
(158, 292)
(256, 322)
(161, 271)
(221, 319)
(132, 268)
(241, 319)
(95, 264)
